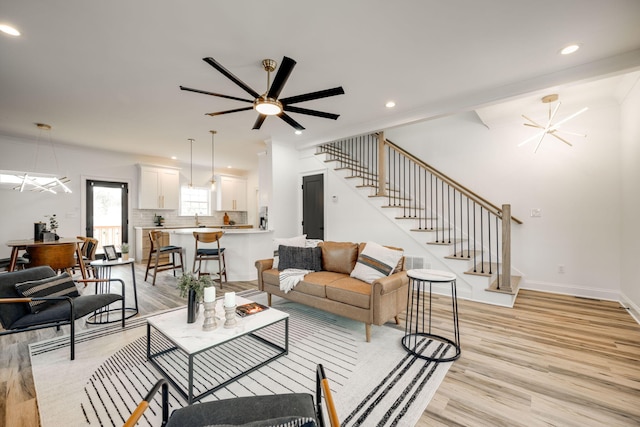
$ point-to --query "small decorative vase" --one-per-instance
(192, 306)
(125, 256)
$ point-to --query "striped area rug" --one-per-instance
(374, 384)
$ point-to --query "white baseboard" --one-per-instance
(569, 289)
(632, 308)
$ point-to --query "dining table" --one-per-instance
(25, 244)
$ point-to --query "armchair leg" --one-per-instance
(367, 327)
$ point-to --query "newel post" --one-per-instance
(382, 187)
(505, 284)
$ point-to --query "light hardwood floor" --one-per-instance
(552, 360)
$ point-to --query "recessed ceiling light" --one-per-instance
(229, 167)
(390, 104)
(174, 158)
(298, 132)
(7, 29)
(569, 49)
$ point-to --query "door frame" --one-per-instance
(83, 204)
(324, 174)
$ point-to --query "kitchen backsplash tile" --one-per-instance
(145, 218)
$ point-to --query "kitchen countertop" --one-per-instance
(177, 227)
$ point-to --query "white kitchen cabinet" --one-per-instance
(232, 194)
(159, 188)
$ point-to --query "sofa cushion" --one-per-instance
(56, 286)
(300, 258)
(297, 241)
(339, 257)
(376, 261)
(350, 291)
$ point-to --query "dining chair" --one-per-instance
(88, 251)
(209, 253)
(156, 250)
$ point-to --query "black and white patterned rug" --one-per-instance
(374, 384)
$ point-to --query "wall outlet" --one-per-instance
(536, 213)
(561, 269)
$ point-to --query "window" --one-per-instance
(194, 201)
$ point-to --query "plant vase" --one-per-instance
(192, 306)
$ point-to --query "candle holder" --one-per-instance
(230, 317)
(209, 316)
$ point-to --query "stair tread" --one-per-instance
(447, 242)
(428, 230)
(482, 269)
(464, 255)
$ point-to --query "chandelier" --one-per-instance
(36, 181)
(551, 128)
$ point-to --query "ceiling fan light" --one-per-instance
(267, 106)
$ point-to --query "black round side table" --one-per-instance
(418, 338)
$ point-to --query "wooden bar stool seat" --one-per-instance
(209, 254)
(156, 251)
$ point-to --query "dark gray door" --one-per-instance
(107, 212)
(313, 206)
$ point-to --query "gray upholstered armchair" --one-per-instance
(37, 298)
(292, 409)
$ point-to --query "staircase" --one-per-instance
(467, 234)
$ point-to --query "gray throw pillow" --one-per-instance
(55, 286)
(300, 258)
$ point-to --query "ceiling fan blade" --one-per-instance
(215, 64)
(308, 112)
(284, 71)
(214, 94)
(313, 95)
(229, 111)
(292, 123)
(259, 121)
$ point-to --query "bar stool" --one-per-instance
(205, 254)
(418, 338)
(156, 251)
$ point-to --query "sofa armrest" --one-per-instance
(389, 297)
(263, 265)
(391, 283)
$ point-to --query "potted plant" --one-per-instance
(124, 249)
(192, 287)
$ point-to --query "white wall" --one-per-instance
(630, 189)
(285, 199)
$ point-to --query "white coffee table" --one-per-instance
(199, 362)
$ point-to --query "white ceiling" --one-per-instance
(107, 74)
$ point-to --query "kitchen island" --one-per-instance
(243, 246)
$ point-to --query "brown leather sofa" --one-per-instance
(334, 291)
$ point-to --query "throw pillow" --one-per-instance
(55, 286)
(339, 257)
(375, 261)
(300, 258)
(297, 241)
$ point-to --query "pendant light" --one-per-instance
(213, 179)
(191, 140)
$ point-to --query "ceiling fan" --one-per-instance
(268, 103)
